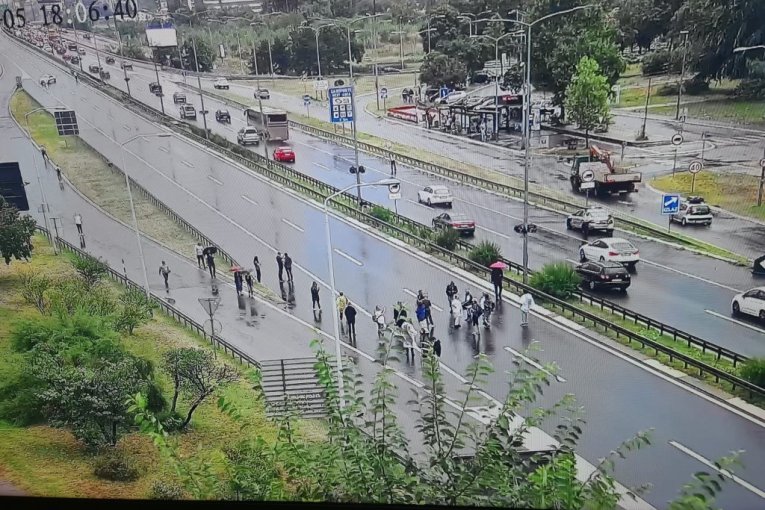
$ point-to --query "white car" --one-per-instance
(591, 219)
(453, 97)
(614, 249)
(751, 302)
(47, 79)
(435, 195)
(221, 83)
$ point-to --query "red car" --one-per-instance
(284, 155)
(459, 222)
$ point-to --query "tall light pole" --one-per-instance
(401, 35)
(496, 78)
(682, 74)
(348, 29)
(316, 31)
(335, 315)
(122, 55)
(199, 80)
(257, 93)
(429, 30)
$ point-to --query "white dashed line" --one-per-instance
(493, 232)
(288, 222)
(325, 167)
(126, 127)
(216, 181)
(163, 149)
(345, 255)
(414, 295)
(729, 319)
(689, 275)
(534, 364)
(248, 199)
(187, 163)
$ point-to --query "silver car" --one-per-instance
(693, 211)
(591, 219)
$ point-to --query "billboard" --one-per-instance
(12, 186)
(161, 34)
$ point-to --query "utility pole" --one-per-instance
(762, 179)
(645, 111)
(682, 74)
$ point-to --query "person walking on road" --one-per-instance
(410, 337)
(456, 307)
(341, 303)
(451, 291)
(496, 280)
(280, 265)
(393, 167)
(211, 265)
(288, 266)
(238, 282)
(248, 280)
(350, 317)
(58, 174)
(200, 252)
(399, 311)
(44, 155)
(256, 263)
(422, 316)
(164, 271)
(527, 301)
(315, 296)
(78, 222)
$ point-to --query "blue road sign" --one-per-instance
(341, 104)
(443, 92)
(670, 203)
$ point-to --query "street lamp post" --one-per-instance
(132, 206)
(496, 78)
(257, 93)
(682, 74)
(348, 29)
(122, 56)
(429, 20)
(335, 315)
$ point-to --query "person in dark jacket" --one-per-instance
(211, 265)
(248, 280)
(350, 318)
(496, 279)
(238, 282)
(256, 263)
(280, 265)
(451, 291)
(315, 296)
(288, 266)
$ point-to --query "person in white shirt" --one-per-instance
(78, 222)
(199, 251)
(527, 301)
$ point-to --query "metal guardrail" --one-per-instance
(319, 190)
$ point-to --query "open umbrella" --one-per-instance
(499, 265)
(236, 269)
(209, 250)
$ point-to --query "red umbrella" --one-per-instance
(499, 265)
(236, 269)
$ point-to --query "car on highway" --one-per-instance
(187, 111)
(71, 47)
(284, 154)
(223, 116)
(126, 66)
(93, 68)
(596, 275)
(592, 219)
(435, 195)
(459, 222)
(614, 249)
(104, 74)
(47, 48)
(75, 59)
(221, 83)
(67, 57)
(751, 302)
(453, 97)
(110, 60)
(81, 51)
(247, 136)
(179, 97)
(262, 94)
(694, 211)
(86, 36)
(47, 79)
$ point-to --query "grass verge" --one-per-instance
(740, 112)
(44, 461)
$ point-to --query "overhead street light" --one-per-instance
(316, 31)
(391, 184)
(348, 30)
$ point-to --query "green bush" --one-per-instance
(662, 61)
(115, 466)
(90, 270)
(381, 213)
(754, 371)
(485, 253)
(557, 279)
(691, 87)
(447, 239)
(165, 491)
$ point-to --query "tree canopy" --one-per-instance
(16, 233)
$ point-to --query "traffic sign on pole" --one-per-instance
(443, 92)
(383, 93)
(695, 167)
(670, 203)
(588, 176)
(340, 104)
(762, 162)
(677, 139)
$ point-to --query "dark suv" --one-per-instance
(604, 274)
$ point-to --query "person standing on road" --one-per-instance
(496, 280)
(399, 311)
(44, 155)
(248, 280)
(456, 307)
(393, 167)
(527, 301)
(256, 263)
(350, 317)
(280, 265)
(164, 271)
(78, 222)
(410, 337)
(211, 265)
(200, 252)
(341, 303)
(422, 317)
(451, 291)
(288, 266)
(58, 174)
(238, 282)
(315, 296)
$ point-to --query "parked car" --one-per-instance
(248, 135)
(223, 116)
(751, 302)
(597, 275)
(155, 88)
(128, 66)
(284, 154)
(221, 83)
(262, 94)
(614, 249)
(591, 219)
(47, 79)
(693, 210)
(459, 222)
(179, 97)
(434, 195)
(187, 111)
(110, 60)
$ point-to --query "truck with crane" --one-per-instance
(598, 168)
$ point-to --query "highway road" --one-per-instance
(685, 290)
(247, 216)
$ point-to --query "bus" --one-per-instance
(273, 123)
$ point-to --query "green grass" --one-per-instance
(43, 461)
(635, 96)
(364, 84)
(741, 112)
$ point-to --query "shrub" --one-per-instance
(115, 466)
(662, 61)
(90, 270)
(558, 279)
(425, 233)
(165, 490)
(485, 253)
(381, 213)
(750, 89)
(691, 87)
(33, 287)
(447, 239)
(754, 371)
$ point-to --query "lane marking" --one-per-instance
(187, 163)
(216, 181)
(296, 227)
(343, 254)
(493, 232)
(248, 199)
(534, 363)
(95, 107)
(689, 275)
(730, 319)
(743, 483)
(325, 167)
(126, 127)
(163, 149)
(414, 295)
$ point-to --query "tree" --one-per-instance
(133, 50)
(90, 269)
(587, 96)
(199, 376)
(333, 50)
(16, 233)
(442, 70)
(135, 309)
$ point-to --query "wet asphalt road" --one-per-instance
(618, 395)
